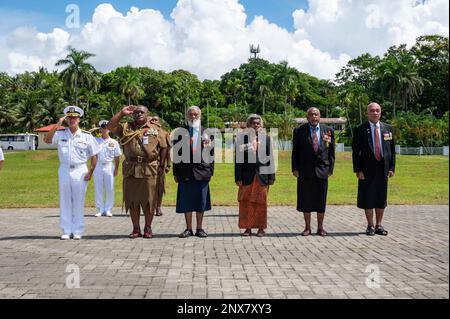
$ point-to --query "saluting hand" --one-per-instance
(127, 110)
(61, 120)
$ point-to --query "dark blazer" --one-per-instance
(305, 160)
(364, 151)
(200, 170)
(246, 171)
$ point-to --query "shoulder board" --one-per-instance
(87, 132)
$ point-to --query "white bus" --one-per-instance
(19, 142)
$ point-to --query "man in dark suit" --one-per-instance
(312, 164)
(373, 162)
(193, 167)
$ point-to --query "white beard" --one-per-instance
(195, 123)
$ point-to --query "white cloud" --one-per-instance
(356, 27)
(209, 37)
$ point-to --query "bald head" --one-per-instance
(374, 112)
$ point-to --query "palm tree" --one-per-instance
(78, 72)
(264, 83)
(27, 108)
(234, 89)
(129, 84)
(399, 79)
(326, 88)
(284, 75)
(51, 110)
(292, 93)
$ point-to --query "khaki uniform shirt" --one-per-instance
(152, 138)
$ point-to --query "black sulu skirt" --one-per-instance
(372, 192)
(312, 195)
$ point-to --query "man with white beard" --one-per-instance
(193, 167)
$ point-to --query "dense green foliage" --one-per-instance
(411, 84)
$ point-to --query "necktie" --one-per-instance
(193, 139)
(315, 140)
(377, 144)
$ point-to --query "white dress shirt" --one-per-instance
(75, 149)
(109, 149)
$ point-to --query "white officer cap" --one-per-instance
(103, 123)
(73, 110)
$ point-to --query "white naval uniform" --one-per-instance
(2, 158)
(74, 150)
(104, 173)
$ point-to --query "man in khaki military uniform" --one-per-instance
(161, 180)
(143, 143)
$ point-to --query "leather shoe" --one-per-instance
(186, 233)
(201, 233)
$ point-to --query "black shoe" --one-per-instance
(201, 233)
(379, 230)
(370, 231)
(186, 233)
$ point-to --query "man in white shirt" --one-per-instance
(2, 158)
(106, 169)
(75, 148)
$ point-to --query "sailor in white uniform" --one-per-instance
(75, 148)
(106, 169)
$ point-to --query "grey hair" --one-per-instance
(196, 108)
(254, 116)
(372, 103)
(312, 108)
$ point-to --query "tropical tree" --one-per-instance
(78, 72)
(264, 82)
(128, 83)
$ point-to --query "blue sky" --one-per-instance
(47, 14)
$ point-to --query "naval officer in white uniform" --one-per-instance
(75, 148)
(106, 169)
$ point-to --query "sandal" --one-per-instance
(148, 232)
(247, 232)
(135, 234)
(261, 233)
(370, 231)
(379, 230)
(322, 232)
(306, 232)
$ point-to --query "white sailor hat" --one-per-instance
(73, 111)
(103, 123)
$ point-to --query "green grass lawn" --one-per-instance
(30, 179)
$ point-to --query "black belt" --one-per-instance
(138, 159)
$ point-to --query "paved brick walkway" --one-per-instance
(412, 262)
